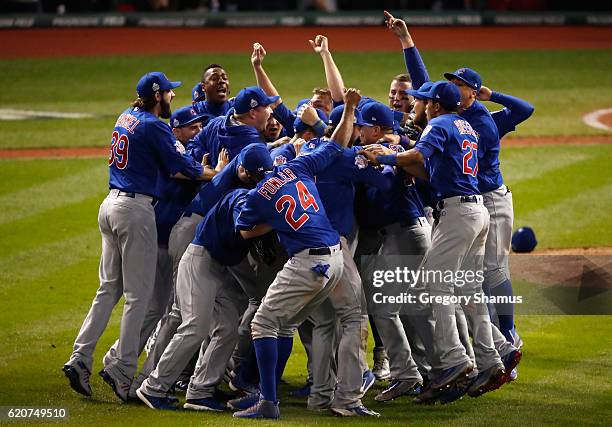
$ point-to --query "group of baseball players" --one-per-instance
(243, 221)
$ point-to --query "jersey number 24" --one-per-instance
(306, 200)
(119, 151)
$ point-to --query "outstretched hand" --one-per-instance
(319, 44)
(258, 55)
(352, 97)
(308, 114)
(398, 27)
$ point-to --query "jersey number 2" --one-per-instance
(306, 200)
(119, 151)
(473, 150)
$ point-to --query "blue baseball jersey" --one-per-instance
(142, 148)
(217, 231)
(211, 192)
(226, 132)
(516, 111)
(489, 175)
(336, 184)
(175, 196)
(210, 110)
(285, 117)
(284, 153)
(451, 147)
(287, 199)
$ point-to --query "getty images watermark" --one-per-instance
(404, 285)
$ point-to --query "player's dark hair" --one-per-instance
(210, 66)
(403, 78)
(386, 129)
(145, 103)
(329, 131)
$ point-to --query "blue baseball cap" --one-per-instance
(301, 102)
(197, 93)
(152, 82)
(444, 93)
(377, 113)
(336, 116)
(468, 76)
(524, 240)
(420, 92)
(256, 158)
(184, 116)
(252, 97)
(300, 126)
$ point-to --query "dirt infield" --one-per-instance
(122, 41)
(83, 152)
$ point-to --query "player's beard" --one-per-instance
(166, 111)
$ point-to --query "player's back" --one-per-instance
(134, 163)
(454, 164)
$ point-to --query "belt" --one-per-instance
(115, 192)
(396, 226)
(326, 250)
(473, 198)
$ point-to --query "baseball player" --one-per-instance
(235, 175)
(216, 87)
(406, 238)
(499, 204)
(490, 181)
(206, 286)
(448, 143)
(288, 202)
(336, 188)
(142, 148)
(175, 195)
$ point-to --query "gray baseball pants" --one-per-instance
(343, 304)
(127, 268)
(202, 283)
(458, 242)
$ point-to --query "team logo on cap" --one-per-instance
(461, 71)
(192, 111)
(155, 87)
(175, 123)
(195, 94)
(361, 162)
(373, 118)
(254, 103)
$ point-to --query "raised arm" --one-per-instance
(516, 111)
(414, 63)
(332, 73)
(263, 81)
(343, 132)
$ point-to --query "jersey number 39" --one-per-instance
(306, 200)
(472, 148)
(119, 151)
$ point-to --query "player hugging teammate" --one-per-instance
(298, 224)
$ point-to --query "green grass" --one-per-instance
(49, 249)
(49, 242)
(562, 85)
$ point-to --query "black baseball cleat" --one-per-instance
(120, 388)
(78, 374)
